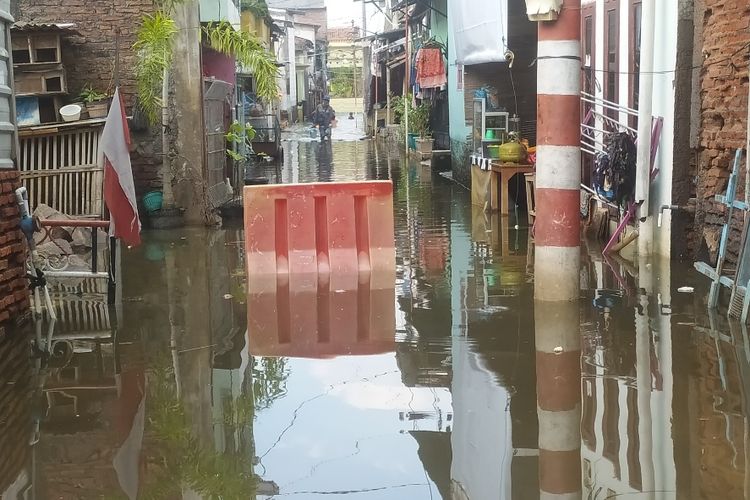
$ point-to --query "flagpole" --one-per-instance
(113, 243)
(117, 57)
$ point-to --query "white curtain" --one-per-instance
(481, 30)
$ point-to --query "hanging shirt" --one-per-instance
(431, 68)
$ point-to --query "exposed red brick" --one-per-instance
(14, 300)
(723, 128)
(89, 61)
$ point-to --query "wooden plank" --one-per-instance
(77, 143)
(83, 168)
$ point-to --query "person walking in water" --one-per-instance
(322, 117)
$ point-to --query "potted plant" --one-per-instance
(97, 103)
(419, 122)
(421, 119)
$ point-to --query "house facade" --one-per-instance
(302, 54)
(515, 85)
(611, 35)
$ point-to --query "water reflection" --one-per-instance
(322, 323)
(455, 384)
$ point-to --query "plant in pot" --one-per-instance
(97, 103)
(419, 122)
(420, 117)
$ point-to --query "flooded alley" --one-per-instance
(436, 388)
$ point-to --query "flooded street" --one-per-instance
(190, 388)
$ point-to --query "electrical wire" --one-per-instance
(660, 72)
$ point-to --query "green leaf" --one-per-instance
(154, 51)
(249, 52)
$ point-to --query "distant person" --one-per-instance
(351, 116)
(322, 117)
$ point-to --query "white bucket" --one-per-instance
(70, 113)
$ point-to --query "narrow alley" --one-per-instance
(374, 249)
(431, 395)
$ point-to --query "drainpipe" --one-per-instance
(558, 177)
(645, 117)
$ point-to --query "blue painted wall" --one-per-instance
(459, 131)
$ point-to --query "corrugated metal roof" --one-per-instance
(29, 27)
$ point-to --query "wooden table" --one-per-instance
(484, 184)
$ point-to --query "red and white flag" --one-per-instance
(119, 188)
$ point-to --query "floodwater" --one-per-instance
(428, 390)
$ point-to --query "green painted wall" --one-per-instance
(460, 147)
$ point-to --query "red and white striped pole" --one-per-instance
(557, 239)
(558, 172)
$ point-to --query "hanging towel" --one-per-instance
(431, 68)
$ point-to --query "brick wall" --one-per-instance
(89, 60)
(15, 412)
(723, 113)
(14, 293)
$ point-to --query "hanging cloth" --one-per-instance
(431, 68)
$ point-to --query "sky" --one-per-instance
(341, 13)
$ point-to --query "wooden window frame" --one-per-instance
(634, 62)
(611, 8)
(588, 13)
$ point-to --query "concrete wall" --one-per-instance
(459, 130)
(665, 58)
(14, 289)
(257, 25)
(187, 161)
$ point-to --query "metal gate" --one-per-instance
(214, 107)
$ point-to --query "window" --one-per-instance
(611, 66)
(636, 51)
(588, 54)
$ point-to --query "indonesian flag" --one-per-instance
(119, 189)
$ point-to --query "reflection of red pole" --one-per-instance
(558, 374)
(558, 155)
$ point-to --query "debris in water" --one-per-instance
(228, 296)
(686, 289)
(558, 350)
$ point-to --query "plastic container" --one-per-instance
(413, 141)
(152, 201)
(71, 113)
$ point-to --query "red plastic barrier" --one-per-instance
(298, 234)
(323, 324)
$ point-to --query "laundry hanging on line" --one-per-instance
(431, 70)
